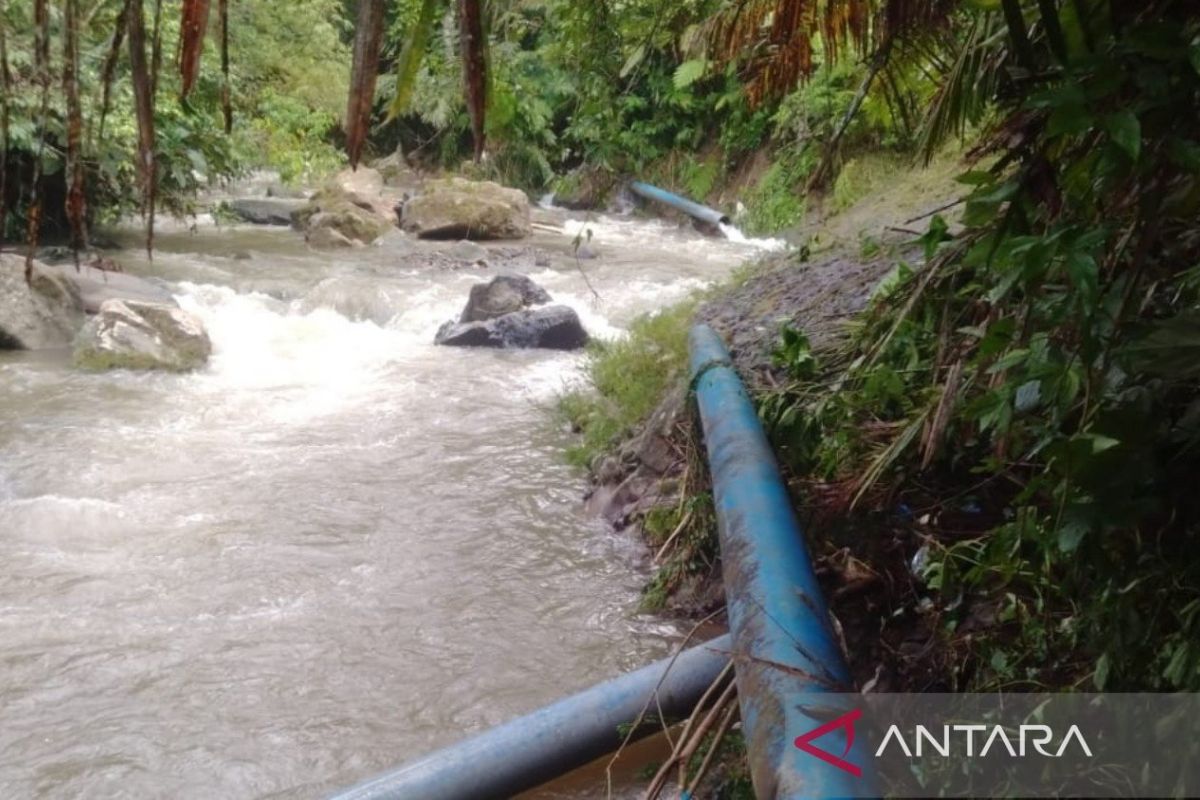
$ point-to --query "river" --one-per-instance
(332, 550)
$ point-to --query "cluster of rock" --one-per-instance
(513, 311)
(112, 320)
(115, 320)
(357, 207)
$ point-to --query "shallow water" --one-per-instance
(335, 548)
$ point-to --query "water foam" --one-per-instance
(735, 235)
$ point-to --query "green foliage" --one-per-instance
(778, 200)
(1040, 370)
(288, 88)
(628, 378)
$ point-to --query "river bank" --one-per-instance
(652, 478)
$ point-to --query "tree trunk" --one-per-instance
(475, 77)
(367, 34)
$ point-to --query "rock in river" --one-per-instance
(552, 328)
(355, 205)
(502, 295)
(271, 211)
(128, 334)
(45, 313)
(462, 209)
(95, 286)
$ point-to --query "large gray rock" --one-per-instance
(584, 188)
(354, 204)
(277, 211)
(396, 172)
(95, 286)
(128, 334)
(45, 313)
(503, 294)
(462, 209)
(551, 328)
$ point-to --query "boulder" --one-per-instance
(328, 231)
(551, 328)
(502, 295)
(462, 209)
(45, 313)
(95, 286)
(265, 212)
(396, 172)
(584, 188)
(355, 204)
(468, 252)
(284, 191)
(129, 334)
(586, 252)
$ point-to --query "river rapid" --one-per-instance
(332, 550)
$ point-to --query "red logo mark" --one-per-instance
(845, 721)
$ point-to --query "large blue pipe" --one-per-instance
(702, 213)
(786, 653)
(531, 750)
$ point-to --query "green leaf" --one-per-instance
(938, 232)
(1010, 360)
(1071, 534)
(1103, 668)
(1100, 443)
(635, 58)
(1084, 272)
(1194, 56)
(1126, 132)
(1029, 394)
(689, 72)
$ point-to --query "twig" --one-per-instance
(940, 208)
(653, 698)
(722, 729)
(674, 535)
(687, 747)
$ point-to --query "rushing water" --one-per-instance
(335, 548)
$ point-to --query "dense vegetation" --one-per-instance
(286, 85)
(1020, 403)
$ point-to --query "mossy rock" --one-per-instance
(462, 209)
(142, 336)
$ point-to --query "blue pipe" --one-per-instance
(526, 752)
(702, 213)
(788, 664)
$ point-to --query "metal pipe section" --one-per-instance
(786, 657)
(702, 213)
(526, 752)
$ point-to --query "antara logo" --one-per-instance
(1039, 736)
(844, 721)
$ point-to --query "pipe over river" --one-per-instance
(705, 214)
(528, 751)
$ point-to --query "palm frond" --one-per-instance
(411, 56)
(964, 93)
(774, 43)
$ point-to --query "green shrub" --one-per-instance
(627, 378)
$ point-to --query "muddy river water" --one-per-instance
(335, 548)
